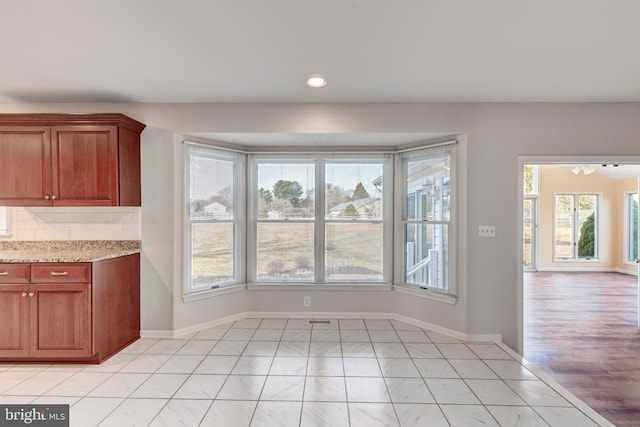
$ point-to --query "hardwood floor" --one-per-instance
(582, 330)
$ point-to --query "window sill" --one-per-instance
(426, 293)
(579, 260)
(210, 293)
(318, 287)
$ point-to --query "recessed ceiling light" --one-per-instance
(316, 81)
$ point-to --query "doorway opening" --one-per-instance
(579, 278)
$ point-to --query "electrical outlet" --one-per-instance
(307, 301)
(70, 233)
(487, 231)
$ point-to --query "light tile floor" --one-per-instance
(291, 372)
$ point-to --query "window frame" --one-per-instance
(5, 229)
(320, 221)
(387, 214)
(449, 294)
(252, 190)
(238, 160)
(628, 195)
(575, 226)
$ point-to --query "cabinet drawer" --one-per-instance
(61, 273)
(14, 273)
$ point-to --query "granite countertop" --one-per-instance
(65, 250)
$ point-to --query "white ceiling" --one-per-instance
(622, 171)
(369, 50)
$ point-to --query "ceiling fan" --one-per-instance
(585, 169)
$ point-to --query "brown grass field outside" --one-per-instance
(353, 251)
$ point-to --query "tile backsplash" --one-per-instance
(74, 223)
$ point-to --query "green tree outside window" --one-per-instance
(586, 243)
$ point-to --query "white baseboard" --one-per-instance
(576, 270)
(629, 272)
(317, 315)
(182, 332)
(153, 333)
(584, 270)
(446, 331)
(320, 315)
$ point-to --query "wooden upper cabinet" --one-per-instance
(25, 152)
(84, 165)
(69, 160)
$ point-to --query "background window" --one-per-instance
(576, 226)
(632, 238)
(212, 224)
(530, 179)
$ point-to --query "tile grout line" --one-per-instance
(140, 385)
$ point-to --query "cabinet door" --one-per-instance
(25, 159)
(14, 320)
(85, 165)
(60, 320)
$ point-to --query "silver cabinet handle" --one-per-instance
(59, 273)
(47, 197)
(4, 273)
(31, 294)
(24, 294)
(53, 197)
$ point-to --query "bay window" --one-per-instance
(214, 207)
(319, 219)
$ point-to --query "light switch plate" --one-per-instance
(487, 231)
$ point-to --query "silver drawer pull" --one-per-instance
(4, 273)
(24, 294)
(31, 294)
(59, 273)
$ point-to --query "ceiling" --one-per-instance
(620, 171)
(369, 50)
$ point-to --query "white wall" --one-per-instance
(497, 134)
(157, 257)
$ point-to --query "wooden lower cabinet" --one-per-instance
(14, 320)
(69, 311)
(60, 320)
